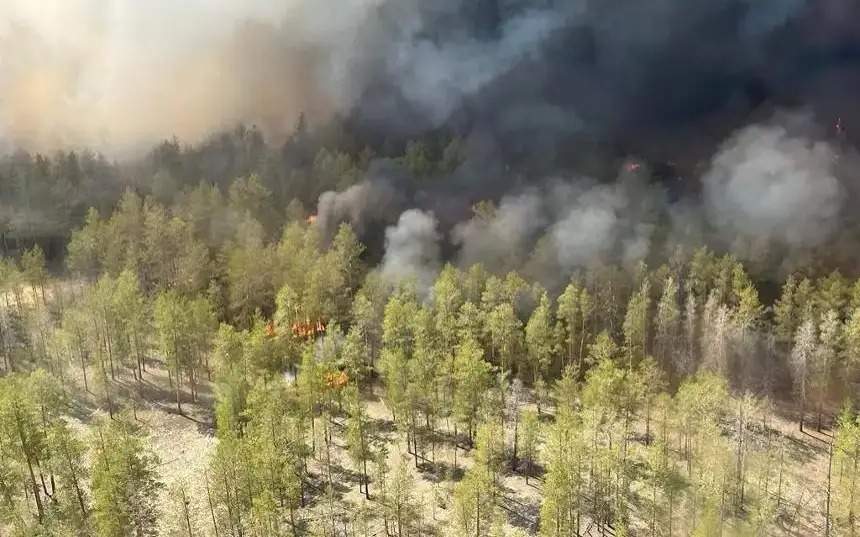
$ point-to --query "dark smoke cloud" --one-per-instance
(372, 201)
(654, 78)
(502, 240)
(538, 89)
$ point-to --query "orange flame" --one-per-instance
(336, 380)
(308, 329)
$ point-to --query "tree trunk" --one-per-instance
(827, 503)
(33, 484)
(211, 506)
(186, 513)
(178, 394)
(84, 370)
(366, 480)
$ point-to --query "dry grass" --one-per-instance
(184, 444)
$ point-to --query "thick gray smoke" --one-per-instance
(118, 75)
(774, 194)
(437, 75)
(502, 240)
(561, 87)
(412, 250)
(605, 223)
(367, 205)
(770, 185)
(359, 205)
(565, 225)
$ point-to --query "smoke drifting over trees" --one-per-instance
(766, 182)
(609, 245)
(602, 132)
(412, 249)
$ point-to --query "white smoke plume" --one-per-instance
(412, 250)
(771, 185)
(566, 225)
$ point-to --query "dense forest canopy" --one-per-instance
(648, 402)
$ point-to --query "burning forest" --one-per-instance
(490, 268)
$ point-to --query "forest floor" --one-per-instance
(185, 442)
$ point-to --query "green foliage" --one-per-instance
(846, 462)
(629, 439)
(472, 378)
(124, 482)
(183, 328)
(540, 337)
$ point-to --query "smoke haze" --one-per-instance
(549, 98)
(118, 75)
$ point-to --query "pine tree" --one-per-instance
(785, 312)
(475, 495)
(472, 376)
(504, 332)
(124, 482)
(400, 504)
(846, 454)
(668, 324)
(570, 317)
(529, 440)
(636, 325)
(802, 362)
(540, 337)
(358, 437)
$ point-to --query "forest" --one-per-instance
(193, 370)
(404, 268)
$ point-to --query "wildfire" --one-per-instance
(305, 330)
(632, 166)
(336, 380)
(312, 219)
(308, 329)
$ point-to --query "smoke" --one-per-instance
(360, 205)
(501, 240)
(119, 75)
(537, 90)
(563, 225)
(438, 75)
(774, 186)
(601, 223)
(412, 250)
